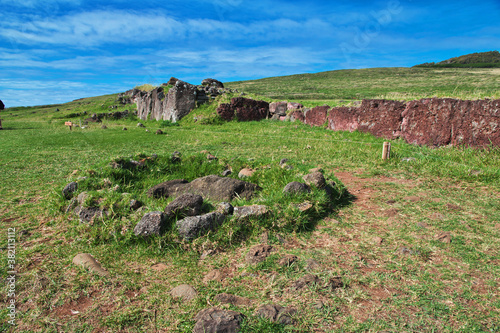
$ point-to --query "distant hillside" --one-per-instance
(336, 87)
(474, 60)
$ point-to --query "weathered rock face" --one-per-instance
(382, 118)
(343, 119)
(434, 122)
(210, 187)
(316, 116)
(212, 83)
(244, 109)
(180, 101)
(297, 115)
(175, 103)
(439, 122)
(278, 108)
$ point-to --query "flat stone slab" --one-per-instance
(209, 187)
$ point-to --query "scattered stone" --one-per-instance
(185, 205)
(87, 261)
(453, 207)
(283, 161)
(408, 159)
(305, 206)
(288, 260)
(135, 204)
(250, 211)
(390, 202)
(316, 178)
(226, 173)
(258, 253)
(213, 275)
(331, 220)
(277, 313)
(233, 300)
(104, 127)
(147, 131)
(437, 216)
(124, 129)
(159, 267)
(184, 291)
(296, 188)
(214, 320)
(246, 172)
(140, 125)
(306, 281)
(158, 132)
(225, 208)
(406, 251)
(412, 198)
(475, 172)
(82, 197)
(334, 283)
(377, 240)
(319, 305)
(211, 157)
(195, 226)
(153, 223)
(88, 214)
(69, 189)
(444, 237)
(264, 238)
(176, 156)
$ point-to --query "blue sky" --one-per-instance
(54, 51)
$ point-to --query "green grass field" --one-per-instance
(382, 232)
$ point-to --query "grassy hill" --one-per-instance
(343, 86)
(415, 240)
(489, 59)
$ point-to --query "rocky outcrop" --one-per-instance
(2, 106)
(316, 116)
(434, 122)
(174, 103)
(244, 109)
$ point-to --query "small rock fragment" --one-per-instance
(87, 261)
(258, 253)
(215, 320)
(246, 172)
(250, 211)
(233, 299)
(184, 291)
(288, 260)
(185, 205)
(306, 280)
(69, 189)
(152, 223)
(317, 179)
(296, 188)
(444, 237)
(277, 313)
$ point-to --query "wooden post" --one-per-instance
(69, 123)
(386, 151)
(1, 128)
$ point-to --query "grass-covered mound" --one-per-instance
(111, 185)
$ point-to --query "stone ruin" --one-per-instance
(174, 104)
(433, 121)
